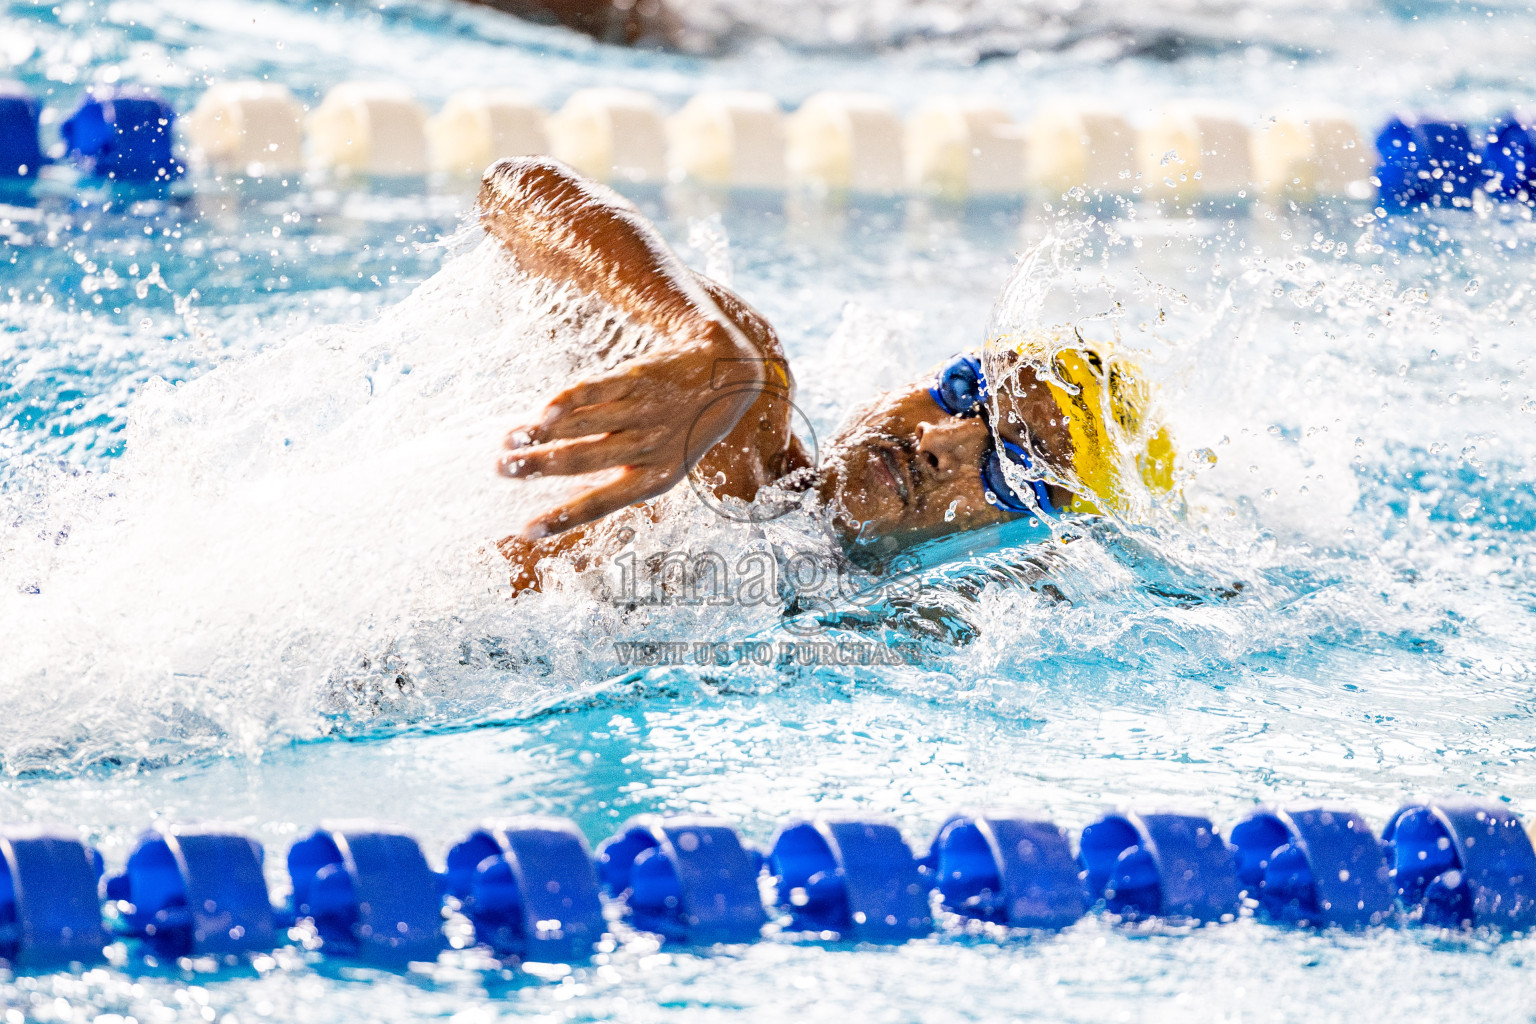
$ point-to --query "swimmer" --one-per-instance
(712, 396)
(622, 22)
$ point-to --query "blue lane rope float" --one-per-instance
(50, 913)
(123, 134)
(689, 879)
(1399, 179)
(368, 894)
(195, 892)
(531, 886)
(20, 153)
(1008, 870)
(1314, 866)
(1160, 865)
(855, 878)
(1509, 161)
(1465, 863)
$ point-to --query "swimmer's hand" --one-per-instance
(651, 418)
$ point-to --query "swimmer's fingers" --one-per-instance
(591, 407)
(631, 486)
(626, 404)
(697, 420)
(613, 386)
(583, 455)
(608, 418)
(635, 395)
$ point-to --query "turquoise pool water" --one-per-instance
(245, 448)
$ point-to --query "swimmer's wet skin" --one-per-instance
(714, 391)
(627, 22)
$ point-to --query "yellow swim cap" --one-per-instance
(1108, 407)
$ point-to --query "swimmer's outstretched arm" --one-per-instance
(653, 417)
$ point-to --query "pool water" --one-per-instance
(245, 473)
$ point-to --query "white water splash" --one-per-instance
(289, 536)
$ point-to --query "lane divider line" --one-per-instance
(836, 142)
(533, 890)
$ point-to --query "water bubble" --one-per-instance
(949, 513)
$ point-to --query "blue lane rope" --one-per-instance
(124, 134)
(533, 890)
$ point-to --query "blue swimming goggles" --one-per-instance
(961, 390)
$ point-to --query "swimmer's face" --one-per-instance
(901, 470)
